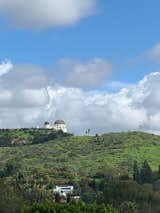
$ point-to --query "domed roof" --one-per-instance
(46, 123)
(59, 122)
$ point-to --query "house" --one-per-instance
(64, 194)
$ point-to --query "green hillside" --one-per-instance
(75, 156)
(33, 161)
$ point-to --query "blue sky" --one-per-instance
(119, 31)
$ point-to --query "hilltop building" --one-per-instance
(58, 125)
(47, 125)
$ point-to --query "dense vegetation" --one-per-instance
(116, 169)
(69, 208)
(18, 137)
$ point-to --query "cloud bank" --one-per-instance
(27, 98)
(45, 14)
(90, 74)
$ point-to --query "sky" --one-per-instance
(93, 63)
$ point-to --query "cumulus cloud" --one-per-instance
(23, 94)
(131, 108)
(24, 76)
(45, 14)
(90, 74)
(34, 100)
(97, 111)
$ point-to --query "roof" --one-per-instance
(64, 189)
(59, 122)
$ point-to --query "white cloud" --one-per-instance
(24, 86)
(34, 100)
(131, 108)
(25, 76)
(5, 67)
(45, 13)
(90, 74)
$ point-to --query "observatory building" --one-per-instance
(57, 126)
(60, 125)
(47, 125)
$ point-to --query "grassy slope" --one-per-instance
(86, 155)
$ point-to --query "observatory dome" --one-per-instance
(59, 122)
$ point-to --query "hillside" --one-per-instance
(70, 157)
(33, 161)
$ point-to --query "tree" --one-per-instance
(88, 131)
(11, 168)
(128, 207)
(136, 173)
(146, 175)
(10, 201)
(158, 172)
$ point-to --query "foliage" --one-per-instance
(20, 137)
(101, 168)
(10, 201)
(136, 172)
(146, 175)
(143, 175)
(128, 207)
(69, 208)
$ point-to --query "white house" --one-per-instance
(65, 194)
